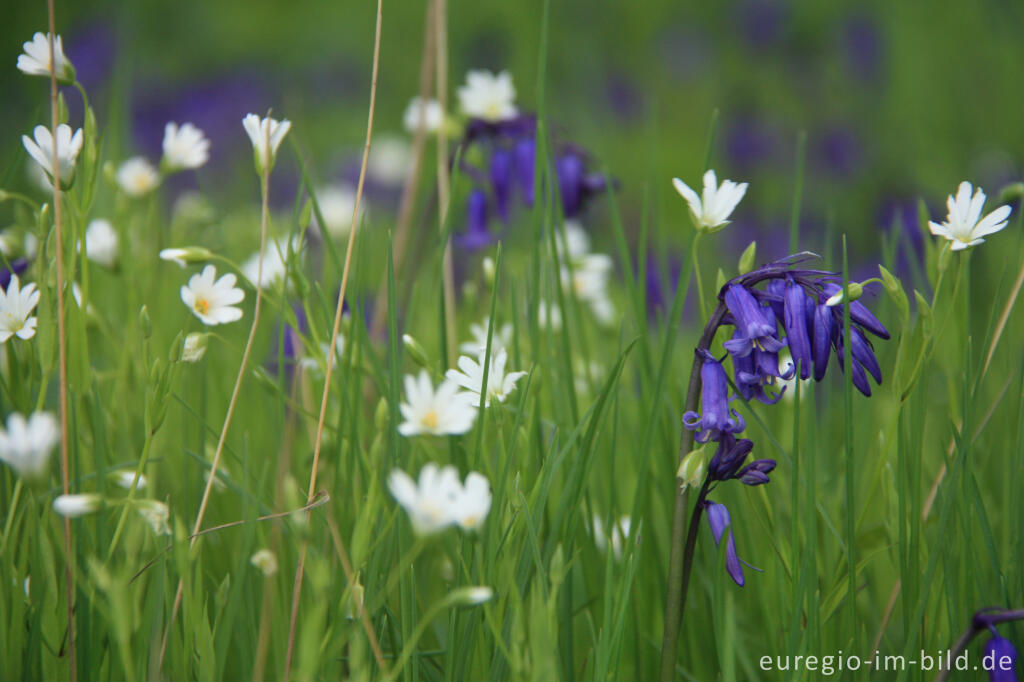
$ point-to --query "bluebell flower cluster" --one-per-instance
(499, 158)
(777, 306)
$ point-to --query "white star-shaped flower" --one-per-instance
(337, 204)
(184, 147)
(428, 113)
(445, 411)
(620, 531)
(431, 502)
(36, 59)
(472, 502)
(502, 338)
(275, 262)
(68, 147)
(589, 282)
(212, 301)
(26, 444)
(964, 225)
(101, 242)
(711, 213)
(471, 378)
(266, 135)
(487, 96)
(137, 177)
(16, 305)
(156, 514)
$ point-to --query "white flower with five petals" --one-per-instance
(427, 113)
(101, 242)
(35, 61)
(16, 305)
(185, 147)
(68, 147)
(445, 411)
(26, 444)
(431, 501)
(711, 211)
(212, 301)
(487, 96)
(266, 135)
(964, 225)
(137, 177)
(471, 378)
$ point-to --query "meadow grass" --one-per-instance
(888, 523)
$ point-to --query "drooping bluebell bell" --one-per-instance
(720, 522)
(797, 324)
(502, 177)
(1001, 652)
(525, 152)
(755, 329)
(729, 458)
(717, 417)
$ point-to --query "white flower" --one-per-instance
(499, 384)
(212, 301)
(390, 160)
(430, 504)
(319, 365)
(68, 146)
(193, 348)
(137, 177)
(73, 506)
(156, 515)
(36, 59)
(125, 478)
(442, 412)
(336, 206)
(16, 305)
(275, 262)
(964, 225)
(589, 281)
(576, 243)
(501, 339)
(101, 242)
(472, 502)
(620, 532)
(26, 445)
(266, 135)
(266, 561)
(488, 96)
(549, 313)
(428, 112)
(718, 203)
(184, 147)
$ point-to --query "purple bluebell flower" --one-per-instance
(826, 329)
(476, 236)
(525, 152)
(858, 312)
(501, 180)
(862, 44)
(756, 330)
(751, 381)
(795, 322)
(717, 417)
(756, 473)
(999, 651)
(720, 522)
(18, 266)
(571, 171)
(729, 457)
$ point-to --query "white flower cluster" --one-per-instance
(585, 273)
(440, 500)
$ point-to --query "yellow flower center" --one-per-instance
(202, 306)
(430, 419)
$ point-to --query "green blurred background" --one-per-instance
(899, 99)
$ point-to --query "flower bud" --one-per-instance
(416, 351)
(856, 291)
(194, 347)
(693, 468)
(73, 506)
(747, 258)
(187, 254)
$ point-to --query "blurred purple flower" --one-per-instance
(862, 45)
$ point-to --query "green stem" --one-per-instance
(10, 514)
